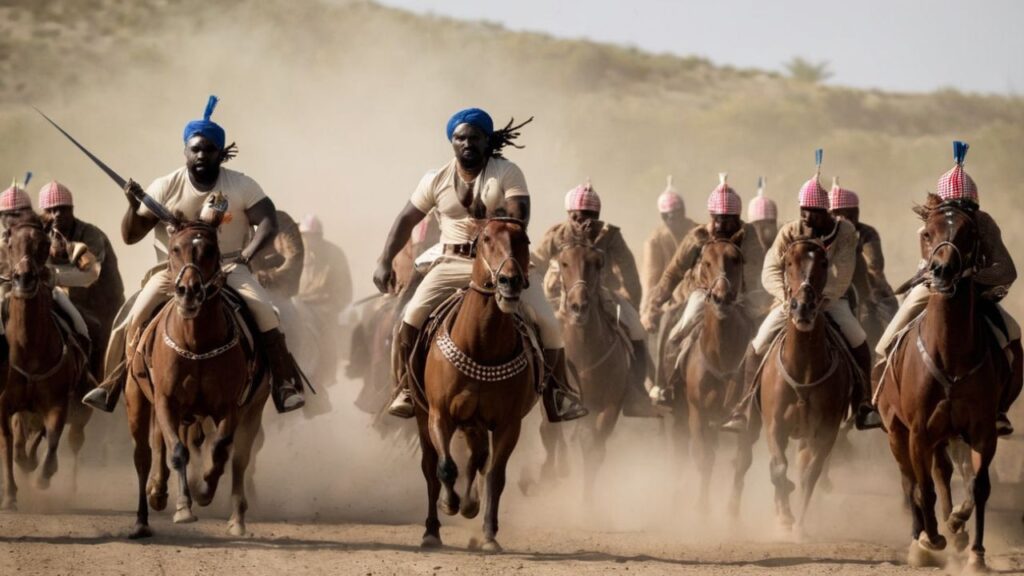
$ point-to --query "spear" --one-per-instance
(158, 209)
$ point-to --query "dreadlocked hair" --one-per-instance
(506, 137)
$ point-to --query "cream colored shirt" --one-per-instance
(500, 180)
(175, 191)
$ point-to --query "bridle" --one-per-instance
(33, 268)
(582, 283)
(208, 288)
(816, 294)
(963, 269)
(490, 287)
(721, 277)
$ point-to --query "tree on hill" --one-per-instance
(806, 71)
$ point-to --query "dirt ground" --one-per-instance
(333, 497)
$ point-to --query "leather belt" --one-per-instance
(464, 250)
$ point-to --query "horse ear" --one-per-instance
(737, 238)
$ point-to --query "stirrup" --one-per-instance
(1003, 425)
(737, 423)
(98, 399)
(287, 398)
(867, 418)
(402, 406)
(561, 407)
(661, 396)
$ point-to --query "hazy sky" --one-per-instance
(900, 45)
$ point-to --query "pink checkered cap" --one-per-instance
(55, 194)
(957, 185)
(839, 197)
(724, 201)
(762, 208)
(15, 198)
(311, 225)
(812, 195)
(670, 200)
(584, 198)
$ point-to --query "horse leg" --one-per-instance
(441, 431)
(942, 474)
(157, 486)
(921, 458)
(219, 458)
(428, 463)
(600, 429)
(77, 419)
(960, 452)
(777, 439)
(981, 457)
(744, 458)
(479, 452)
(170, 424)
(550, 436)
(10, 495)
(703, 454)
(139, 421)
(245, 437)
(505, 440)
(20, 432)
(814, 456)
(53, 423)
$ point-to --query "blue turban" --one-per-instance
(205, 127)
(474, 117)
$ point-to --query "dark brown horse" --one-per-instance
(805, 380)
(711, 369)
(191, 365)
(478, 378)
(599, 357)
(944, 381)
(46, 370)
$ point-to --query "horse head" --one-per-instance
(28, 249)
(950, 238)
(194, 263)
(805, 274)
(579, 268)
(720, 270)
(502, 258)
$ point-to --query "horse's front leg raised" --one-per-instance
(219, 457)
(441, 430)
(10, 494)
(479, 452)
(504, 441)
(53, 423)
(169, 419)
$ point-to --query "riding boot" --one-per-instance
(637, 404)
(285, 376)
(105, 395)
(402, 405)
(561, 402)
(865, 414)
(1012, 388)
(740, 417)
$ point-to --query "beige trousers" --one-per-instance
(451, 273)
(839, 311)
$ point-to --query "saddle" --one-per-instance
(439, 322)
(246, 329)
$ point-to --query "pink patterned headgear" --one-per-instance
(724, 201)
(812, 195)
(670, 200)
(761, 207)
(583, 198)
(55, 194)
(839, 198)
(15, 198)
(957, 184)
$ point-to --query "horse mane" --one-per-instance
(27, 218)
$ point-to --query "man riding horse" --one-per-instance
(620, 281)
(840, 240)
(995, 273)
(477, 183)
(249, 224)
(875, 300)
(662, 244)
(724, 208)
(763, 216)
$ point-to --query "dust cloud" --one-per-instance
(339, 108)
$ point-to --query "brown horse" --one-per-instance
(711, 369)
(944, 381)
(599, 357)
(45, 370)
(191, 365)
(478, 378)
(805, 380)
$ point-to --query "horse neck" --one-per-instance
(805, 355)
(720, 338)
(208, 330)
(483, 331)
(950, 327)
(30, 329)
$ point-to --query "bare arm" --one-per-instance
(519, 207)
(401, 229)
(134, 226)
(264, 216)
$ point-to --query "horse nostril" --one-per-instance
(503, 280)
(575, 308)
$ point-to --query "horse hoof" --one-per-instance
(9, 505)
(976, 563)
(184, 516)
(28, 464)
(470, 508)
(140, 531)
(921, 557)
(158, 502)
(236, 528)
(961, 539)
(430, 541)
(450, 505)
(927, 543)
(203, 498)
(491, 545)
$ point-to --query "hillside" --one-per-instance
(339, 108)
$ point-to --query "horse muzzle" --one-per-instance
(25, 286)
